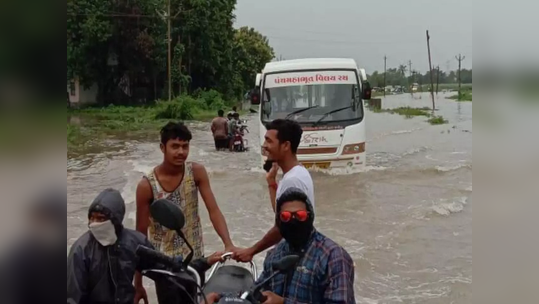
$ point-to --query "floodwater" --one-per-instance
(406, 220)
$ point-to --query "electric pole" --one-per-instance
(437, 79)
(385, 74)
(169, 52)
(431, 76)
(169, 18)
(460, 58)
(408, 82)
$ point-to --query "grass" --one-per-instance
(466, 95)
(437, 120)
(446, 86)
(95, 123)
(409, 112)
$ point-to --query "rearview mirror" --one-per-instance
(286, 263)
(167, 214)
(255, 96)
(367, 91)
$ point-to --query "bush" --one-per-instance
(437, 120)
(212, 99)
(181, 108)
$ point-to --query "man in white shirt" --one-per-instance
(281, 145)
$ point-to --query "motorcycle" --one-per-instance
(240, 143)
(233, 283)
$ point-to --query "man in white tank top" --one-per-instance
(281, 144)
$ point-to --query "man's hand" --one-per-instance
(244, 255)
(272, 298)
(231, 248)
(212, 298)
(140, 294)
(214, 258)
(271, 176)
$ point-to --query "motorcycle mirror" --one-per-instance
(283, 265)
(167, 214)
(172, 217)
(286, 263)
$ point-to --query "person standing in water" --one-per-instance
(179, 181)
(219, 129)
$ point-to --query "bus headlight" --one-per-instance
(353, 149)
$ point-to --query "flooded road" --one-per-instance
(406, 220)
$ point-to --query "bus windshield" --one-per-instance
(308, 103)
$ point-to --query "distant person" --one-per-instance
(29, 271)
(180, 181)
(219, 129)
(325, 272)
(281, 144)
(233, 128)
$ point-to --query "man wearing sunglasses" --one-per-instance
(325, 273)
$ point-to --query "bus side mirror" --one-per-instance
(367, 91)
(255, 97)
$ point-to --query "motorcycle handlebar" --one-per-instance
(156, 256)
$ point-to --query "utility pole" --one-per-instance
(437, 79)
(460, 58)
(431, 76)
(169, 52)
(385, 74)
(169, 18)
(410, 70)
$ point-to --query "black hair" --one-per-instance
(287, 130)
(295, 194)
(174, 130)
(292, 195)
(234, 108)
(236, 114)
(220, 113)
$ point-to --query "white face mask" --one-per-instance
(104, 233)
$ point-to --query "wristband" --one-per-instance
(273, 185)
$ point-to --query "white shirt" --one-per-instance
(297, 177)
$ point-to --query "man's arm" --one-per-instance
(144, 197)
(77, 276)
(213, 127)
(340, 278)
(273, 194)
(216, 216)
(272, 237)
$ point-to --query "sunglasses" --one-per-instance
(301, 216)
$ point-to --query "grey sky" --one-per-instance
(364, 30)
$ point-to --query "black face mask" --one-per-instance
(296, 233)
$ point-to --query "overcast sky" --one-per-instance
(365, 30)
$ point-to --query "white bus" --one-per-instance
(325, 96)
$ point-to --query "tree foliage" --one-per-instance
(401, 77)
(121, 46)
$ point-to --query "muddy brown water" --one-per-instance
(406, 220)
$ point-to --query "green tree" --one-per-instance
(251, 53)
